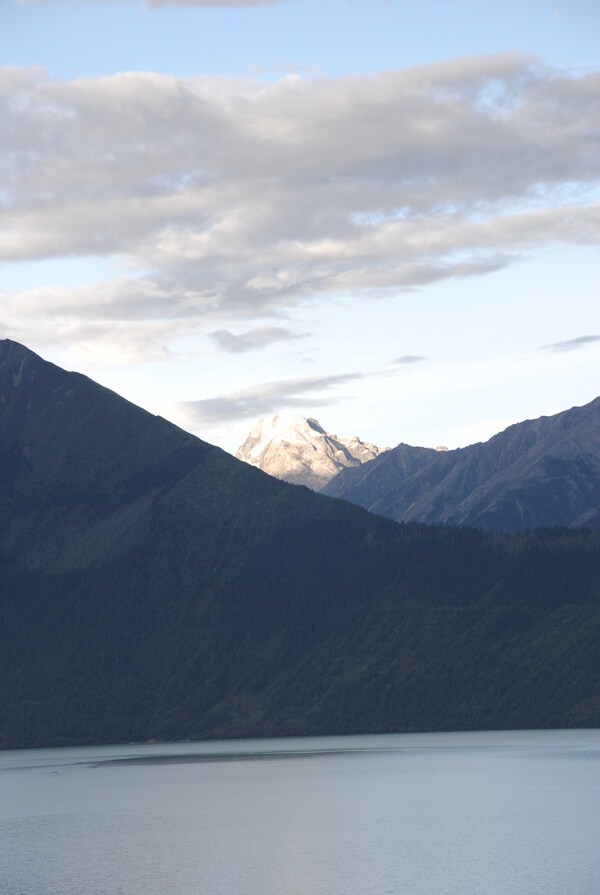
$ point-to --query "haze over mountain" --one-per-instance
(152, 586)
(297, 449)
(536, 473)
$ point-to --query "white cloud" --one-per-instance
(233, 199)
(102, 325)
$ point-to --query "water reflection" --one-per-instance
(454, 814)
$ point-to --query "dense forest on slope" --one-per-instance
(152, 586)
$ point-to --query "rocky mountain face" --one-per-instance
(154, 587)
(297, 449)
(543, 472)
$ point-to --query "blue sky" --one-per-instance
(335, 37)
(381, 214)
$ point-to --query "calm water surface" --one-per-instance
(422, 814)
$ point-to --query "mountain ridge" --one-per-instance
(536, 473)
(153, 587)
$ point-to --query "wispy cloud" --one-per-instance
(268, 397)
(396, 180)
(410, 359)
(571, 344)
(252, 340)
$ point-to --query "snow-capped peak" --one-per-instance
(299, 450)
(290, 428)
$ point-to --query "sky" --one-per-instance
(384, 214)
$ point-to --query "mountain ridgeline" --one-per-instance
(537, 473)
(154, 587)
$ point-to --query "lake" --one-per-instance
(509, 813)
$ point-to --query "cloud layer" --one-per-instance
(266, 398)
(231, 200)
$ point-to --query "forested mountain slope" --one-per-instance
(152, 586)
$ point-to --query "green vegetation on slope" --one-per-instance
(154, 587)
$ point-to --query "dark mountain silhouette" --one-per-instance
(538, 473)
(152, 586)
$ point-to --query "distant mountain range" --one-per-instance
(297, 449)
(536, 473)
(154, 587)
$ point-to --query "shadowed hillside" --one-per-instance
(152, 586)
(537, 473)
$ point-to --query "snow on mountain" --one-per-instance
(299, 450)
